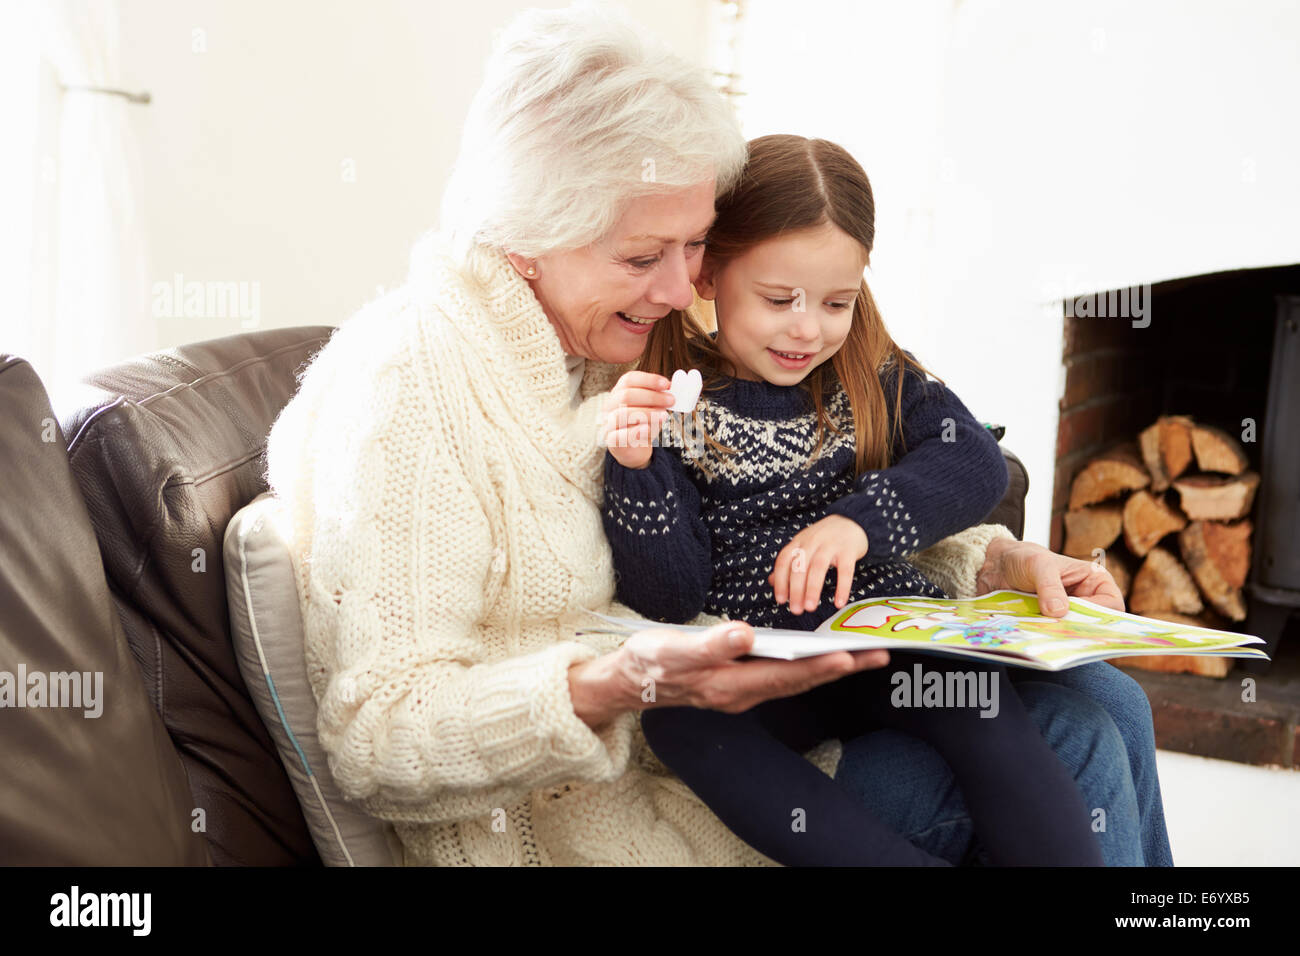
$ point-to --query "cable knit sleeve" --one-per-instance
(955, 562)
(420, 719)
(948, 474)
(662, 559)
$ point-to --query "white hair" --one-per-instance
(579, 113)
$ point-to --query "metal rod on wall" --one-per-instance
(141, 98)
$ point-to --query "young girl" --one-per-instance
(824, 448)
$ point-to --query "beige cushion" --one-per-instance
(266, 627)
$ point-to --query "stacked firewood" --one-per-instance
(1175, 537)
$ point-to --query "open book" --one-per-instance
(1004, 627)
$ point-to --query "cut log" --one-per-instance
(1108, 475)
(1167, 449)
(1119, 570)
(1095, 527)
(1147, 519)
(1215, 497)
(1161, 585)
(1218, 555)
(1216, 450)
(1231, 543)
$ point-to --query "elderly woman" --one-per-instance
(442, 470)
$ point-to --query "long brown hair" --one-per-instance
(791, 183)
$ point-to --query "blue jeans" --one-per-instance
(1095, 717)
(1124, 700)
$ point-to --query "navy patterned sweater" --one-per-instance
(688, 540)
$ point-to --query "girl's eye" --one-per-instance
(698, 243)
(838, 306)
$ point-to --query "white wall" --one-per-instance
(244, 146)
(1020, 151)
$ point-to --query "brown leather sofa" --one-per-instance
(111, 550)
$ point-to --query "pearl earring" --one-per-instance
(532, 271)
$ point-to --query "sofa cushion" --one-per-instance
(166, 448)
(99, 783)
(266, 625)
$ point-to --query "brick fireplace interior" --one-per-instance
(1207, 353)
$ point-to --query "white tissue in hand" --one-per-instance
(686, 390)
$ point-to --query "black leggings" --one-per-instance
(749, 769)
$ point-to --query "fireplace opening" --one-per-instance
(1178, 466)
(1178, 454)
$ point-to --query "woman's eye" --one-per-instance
(839, 305)
(779, 301)
(644, 264)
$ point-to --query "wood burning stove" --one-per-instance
(1274, 585)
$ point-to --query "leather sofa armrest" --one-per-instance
(1011, 509)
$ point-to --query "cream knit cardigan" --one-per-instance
(444, 496)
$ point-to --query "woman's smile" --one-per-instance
(637, 324)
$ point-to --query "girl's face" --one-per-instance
(785, 306)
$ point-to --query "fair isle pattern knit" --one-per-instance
(444, 494)
(699, 530)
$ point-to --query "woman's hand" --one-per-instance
(1025, 566)
(635, 409)
(800, 569)
(666, 668)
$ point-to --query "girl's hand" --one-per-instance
(635, 409)
(800, 570)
